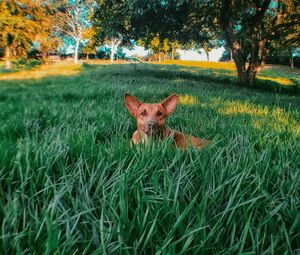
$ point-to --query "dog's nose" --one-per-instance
(152, 125)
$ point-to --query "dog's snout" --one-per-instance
(151, 127)
(152, 124)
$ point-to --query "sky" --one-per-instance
(214, 55)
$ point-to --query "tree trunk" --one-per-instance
(15, 51)
(251, 75)
(44, 56)
(257, 53)
(239, 63)
(76, 52)
(256, 63)
(292, 60)
(7, 57)
(112, 52)
(172, 55)
(87, 56)
(231, 57)
(257, 57)
(236, 50)
(207, 55)
(245, 77)
(115, 42)
(242, 75)
(253, 65)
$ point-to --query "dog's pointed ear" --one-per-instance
(132, 104)
(170, 103)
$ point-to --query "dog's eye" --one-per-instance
(159, 113)
(143, 113)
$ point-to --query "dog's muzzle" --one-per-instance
(152, 127)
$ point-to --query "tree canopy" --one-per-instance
(247, 27)
(20, 23)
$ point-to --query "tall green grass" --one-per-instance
(71, 184)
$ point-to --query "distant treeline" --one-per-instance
(283, 60)
(275, 58)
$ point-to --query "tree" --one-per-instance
(90, 43)
(207, 46)
(287, 46)
(180, 22)
(248, 27)
(174, 47)
(207, 49)
(19, 25)
(48, 39)
(160, 47)
(112, 22)
(47, 42)
(284, 50)
(73, 19)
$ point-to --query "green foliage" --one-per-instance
(23, 23)
(248, 27)
(90, 46)
(70, 183)
(111, 19)
(18, 24)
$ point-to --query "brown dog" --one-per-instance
(151, 120)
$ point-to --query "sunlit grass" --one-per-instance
(218, 68)
(280, 80)
(64, 68)
(187, 100)
(203, 64)
(262, 117)
(277, 118)
(236, 107)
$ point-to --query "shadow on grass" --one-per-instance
(21, 65)
(196, 74)
(211, 79)
(181, 74)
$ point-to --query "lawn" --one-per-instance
(71, 184)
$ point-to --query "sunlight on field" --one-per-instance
(280, 80)
(64, 68)
(202, 64)
(106, 61)
(187, 100)
(215, 66)
(236, 107)
(261, 117)
(279, 121)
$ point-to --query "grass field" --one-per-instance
(70, 184)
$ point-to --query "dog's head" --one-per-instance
(151, 118)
